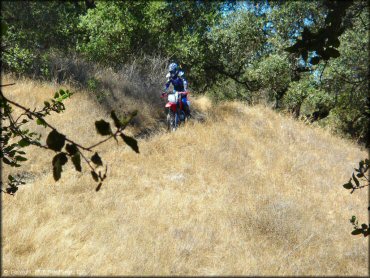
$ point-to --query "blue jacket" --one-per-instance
(178, 82)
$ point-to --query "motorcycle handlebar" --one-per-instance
(165, 94)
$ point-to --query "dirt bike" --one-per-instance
(175, 109)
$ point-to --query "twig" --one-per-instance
(11, 84)
(359, 187)
(106, 139)
(87, 161)
(28, 111)
(38, 117)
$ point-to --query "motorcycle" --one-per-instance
(175, 109)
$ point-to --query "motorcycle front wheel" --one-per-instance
(171, 120)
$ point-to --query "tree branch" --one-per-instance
(234, 77)
(28, 111)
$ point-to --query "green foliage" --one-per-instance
(116, 32)
(273, 73)
(297, 93)
(325, 41)
(92, 84)
(346, 78)
(108, 28)
(319, 101)
(305, 98)
(228, 89)
(235, 44)
(34, 28)
(290, 17)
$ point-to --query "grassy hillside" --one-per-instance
(247, 192)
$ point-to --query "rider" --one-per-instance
(175, 77)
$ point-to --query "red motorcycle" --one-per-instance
(175, 107)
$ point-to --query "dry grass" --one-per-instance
(136, 85)
(248, 192)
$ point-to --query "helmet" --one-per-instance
(173, 68)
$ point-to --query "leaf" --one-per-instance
(291, 49)
(6, 161)
(355, 180)
(332, 52)
(103, 128)
(20, 158)
(56, 95)
(131, 142)
(315, 60)
(96, 159)
(361, 167)
(24, 142)
(11, 178)
(348, 185)
(114, 117)
(12, 190)
(76, 159)
(55, 140)
(356, 232)
(334, 41)
(71, 149)
(364, 226)
(304, 54)
(58, 161)
(42, 122)
(98, 187)
(47, 104)
(95, 176)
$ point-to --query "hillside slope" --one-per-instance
(248, 192)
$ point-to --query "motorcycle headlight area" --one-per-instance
(172, 98)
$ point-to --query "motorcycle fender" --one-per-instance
(172, 106)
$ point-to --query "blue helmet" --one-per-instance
(173, 68)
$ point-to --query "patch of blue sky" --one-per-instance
(259, 8)
(308, 22)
